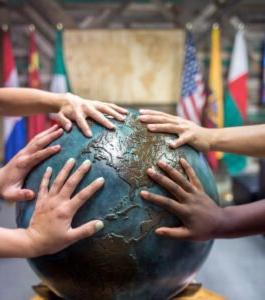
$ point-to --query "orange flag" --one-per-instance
(36, 123)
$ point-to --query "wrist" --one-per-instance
(225, 224)
(213, 137)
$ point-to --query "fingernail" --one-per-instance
(71, 160)
(141, 111)
(162, 163)
(86, 162)
(101, 179)
(49, 169)
(68, 126)
(56, 147)
(88, 133)
(152, 127)
(99, 225)
(151, 171)
(144, 193)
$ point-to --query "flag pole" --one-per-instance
(59, 26)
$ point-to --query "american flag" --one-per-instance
(193, 96)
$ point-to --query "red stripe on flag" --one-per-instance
(195, 108)
(8, 56)
(238, 91)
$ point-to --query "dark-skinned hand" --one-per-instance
(200, 216)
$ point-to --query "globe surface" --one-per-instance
(126, 260)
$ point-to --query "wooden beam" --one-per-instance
(35, 18)
(54, 13)
(168, 14)
(109, 15)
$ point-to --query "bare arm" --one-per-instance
(248, 140)
(69, 107)
(27, 101)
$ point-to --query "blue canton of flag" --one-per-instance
(193, 97)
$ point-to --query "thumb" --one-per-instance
(19, 195)
(86, 230)
(180, 141)
(174, 233)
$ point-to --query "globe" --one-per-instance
(126, 260)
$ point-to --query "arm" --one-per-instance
(201, 218)
(247, 140)
(27, 101)
(50, 228)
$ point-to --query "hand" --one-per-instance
(74, 108)
(13, 174)
(50, 228)
(188, 132)
(201, 218)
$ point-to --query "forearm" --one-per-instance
(27, 101)
(15, 243)
(247, 140)
(242, 220)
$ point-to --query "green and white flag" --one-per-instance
(59, 82)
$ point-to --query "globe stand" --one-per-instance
(194, 291)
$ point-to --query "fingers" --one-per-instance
(191, 174)
(64, 121)
(86, 194)
(19, 195)
(174, 233)
(104, 108)
(72, 182)
(168, 184)
(82, 124)
(99, 117)
(158, 119)
(152, 112)
(62, 176)
(166, 128)
(84, 231)
(118, 108)
(39, 142)
(181, 140)
(41, 155)
(165, 202)
(176, 176)
(43, 190)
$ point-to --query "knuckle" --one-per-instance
(63, 212)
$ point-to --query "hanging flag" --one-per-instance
(235, 102)
(193, 95)
(262, 99)
(15, 135)
(213, 113)
(36, 123)
(238, 73)
(59, 82)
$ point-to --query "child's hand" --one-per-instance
(201, 218)
(50, 228)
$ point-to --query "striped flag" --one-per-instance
(59, 82)
(15, 135)
(235, 101)
(193, 95)
(36, 123)
(213, 112)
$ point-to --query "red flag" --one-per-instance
(36, 123)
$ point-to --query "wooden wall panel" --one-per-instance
(125, 66)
